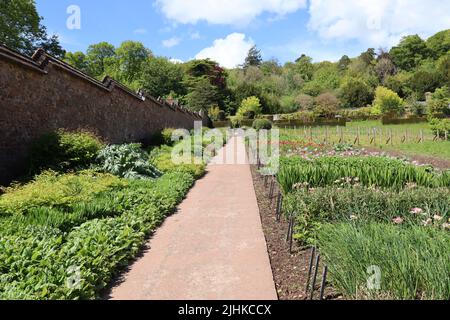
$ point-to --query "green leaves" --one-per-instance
(127, 161)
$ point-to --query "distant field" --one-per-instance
(410, 139)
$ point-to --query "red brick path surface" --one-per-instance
(212, 248)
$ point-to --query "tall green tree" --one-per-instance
(160, 77)
(97, 56)
(127, 64)
(21, 29)
(254, 58)
(439, 44)
(77, 60)
(410, 52)
(203, 95)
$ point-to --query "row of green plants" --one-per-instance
(67, 232)
(367, 171)
(381, 225)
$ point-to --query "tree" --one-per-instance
(250, 108)
(160, 77)
(343, 63)
(423, 81)
(410, 52)
(384, 68)
(77, 60)
(326, 105)
(439, 44)
(21, 29)
(202, 95)
(126, 65)
(253, 58)
(304, 102)
(368, 57)
(388, 102)
(443, 67)
(355, 93)
(97, 56)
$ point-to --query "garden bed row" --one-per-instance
(69, 231)
(368, 216)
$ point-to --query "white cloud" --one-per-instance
(140, 31)
(172, 42)
(229, 52)
(377, 23)
(234, 12)
(176, 61)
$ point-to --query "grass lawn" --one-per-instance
(405, 137)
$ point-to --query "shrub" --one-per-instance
(250, 108)
(304, 102)
(326, 105)
(440, 127)
(355, 93)
(167, 136)
(259, 124)
(127, 161)
(388, 102)
(439, 104)
(54, 190)
(413, 261)
(63, 151)
(161, 158)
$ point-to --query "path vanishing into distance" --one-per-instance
(212, 248)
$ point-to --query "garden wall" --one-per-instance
(42, 93)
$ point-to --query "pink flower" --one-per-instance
(446, 226)
(437, 217)
(416, 211)
(398, 220)
(427, 222)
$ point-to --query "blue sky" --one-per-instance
(224, 30)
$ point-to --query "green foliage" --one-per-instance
(21, 29)
(369, 171)
(413, 261)
(253, 58)
(333, 204)
(98, 56)
(167, 135)
(410, 52)
(77, 60)
(439, 44)
(127, 161)
(203, 95)
(355, 93)
(160, 78)
(388, 102)
(161, 158)
(38, 260)
(250, 108)
(54, 190)
(259, 124)
(439, 104)
(63, 151)
(441, 127)
(423, 81)
(326, 105)
(325, 78)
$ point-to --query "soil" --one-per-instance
(290, 271)
(437, 163)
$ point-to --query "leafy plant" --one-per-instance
(413, 261)
(63, 151)
(259, 124)
(127, 161)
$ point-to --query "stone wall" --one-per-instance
(42, 93)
